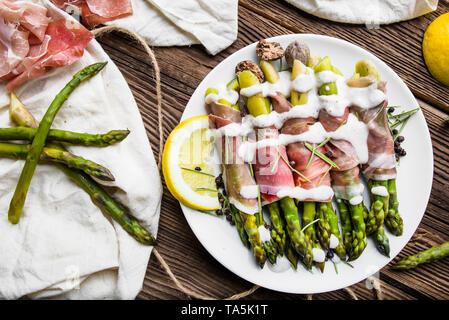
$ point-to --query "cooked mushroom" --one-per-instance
(297, 50)
(251, 66)
(269, 50)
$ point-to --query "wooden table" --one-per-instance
(183, 68)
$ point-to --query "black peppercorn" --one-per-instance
(198, 168)
(400, 139)
(329, 254)
(394, 131)
(403, 153)
(292, 163)
(328, 154)
(390, 110)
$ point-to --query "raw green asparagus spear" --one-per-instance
(75, 138)
(335, 230)
(359, 240)
(393, 219)
(18, 200)
(279, 236)
(308, 216)
(20, 151)
(346, 224)
(106, 203)
(379, 205)
(426, 256)
(250, 223)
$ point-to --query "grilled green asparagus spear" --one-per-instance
(340, 249)
(379, 205)
(358, 237)
(393, 219)
(20, 115)
(20, 151)
(346, 224)
(269, 246)
(18, 200)
(279, 236)
(308, 216)
(323, 228)
(426, 256)
(75, 138)
(298, 238)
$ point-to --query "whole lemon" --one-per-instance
(435, 47)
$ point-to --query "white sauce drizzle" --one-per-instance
(318, 255)
(264, 234)
(249, 192)
(355, 200)
(320, 193)
(282, 264)
(347, 192)
(333, 242)
(380, 191)
(231, 96)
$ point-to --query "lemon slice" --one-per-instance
(187, 166)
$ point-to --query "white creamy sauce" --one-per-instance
(320, 193)
(264, 234)
(348, 192)
(333, 242)
(380, 191)
(282, 264)
(249, 192)
(231, 96)
(318, 255)
(353, 131)
(355, 200)
(283, 85)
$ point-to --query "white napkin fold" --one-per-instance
(366, 11)
(213, 23)
(64, 247)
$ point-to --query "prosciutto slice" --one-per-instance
(66, 43)
(272, 173)
(95, 12)
(236, 172)
(381, 164)
(31, 43)
(316, 173)
(345, 178)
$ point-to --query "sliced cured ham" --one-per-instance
(313, 174)
(95, 12)
(236, 172)
(66, 43)
(381, 164)
(31, 43)
(271, 171)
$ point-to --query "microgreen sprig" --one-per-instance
(291, 168)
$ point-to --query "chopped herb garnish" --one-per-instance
(347, 263)
(291, 168)
(324, 175)
(322, 156)
(309, 224)
(199, 172)
(206, 189)
(275, 164)
(259, 202)
(335, 266)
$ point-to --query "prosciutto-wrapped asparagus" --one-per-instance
(237, 175)
(273, 173)
(380, 170)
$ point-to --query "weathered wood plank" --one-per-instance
(182, 70)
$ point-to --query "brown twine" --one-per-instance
(99, 32)
(376, 287)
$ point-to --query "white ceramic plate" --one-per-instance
(413, 183)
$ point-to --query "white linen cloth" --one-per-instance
(64, 247)
(366, 11)
(213, 23)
